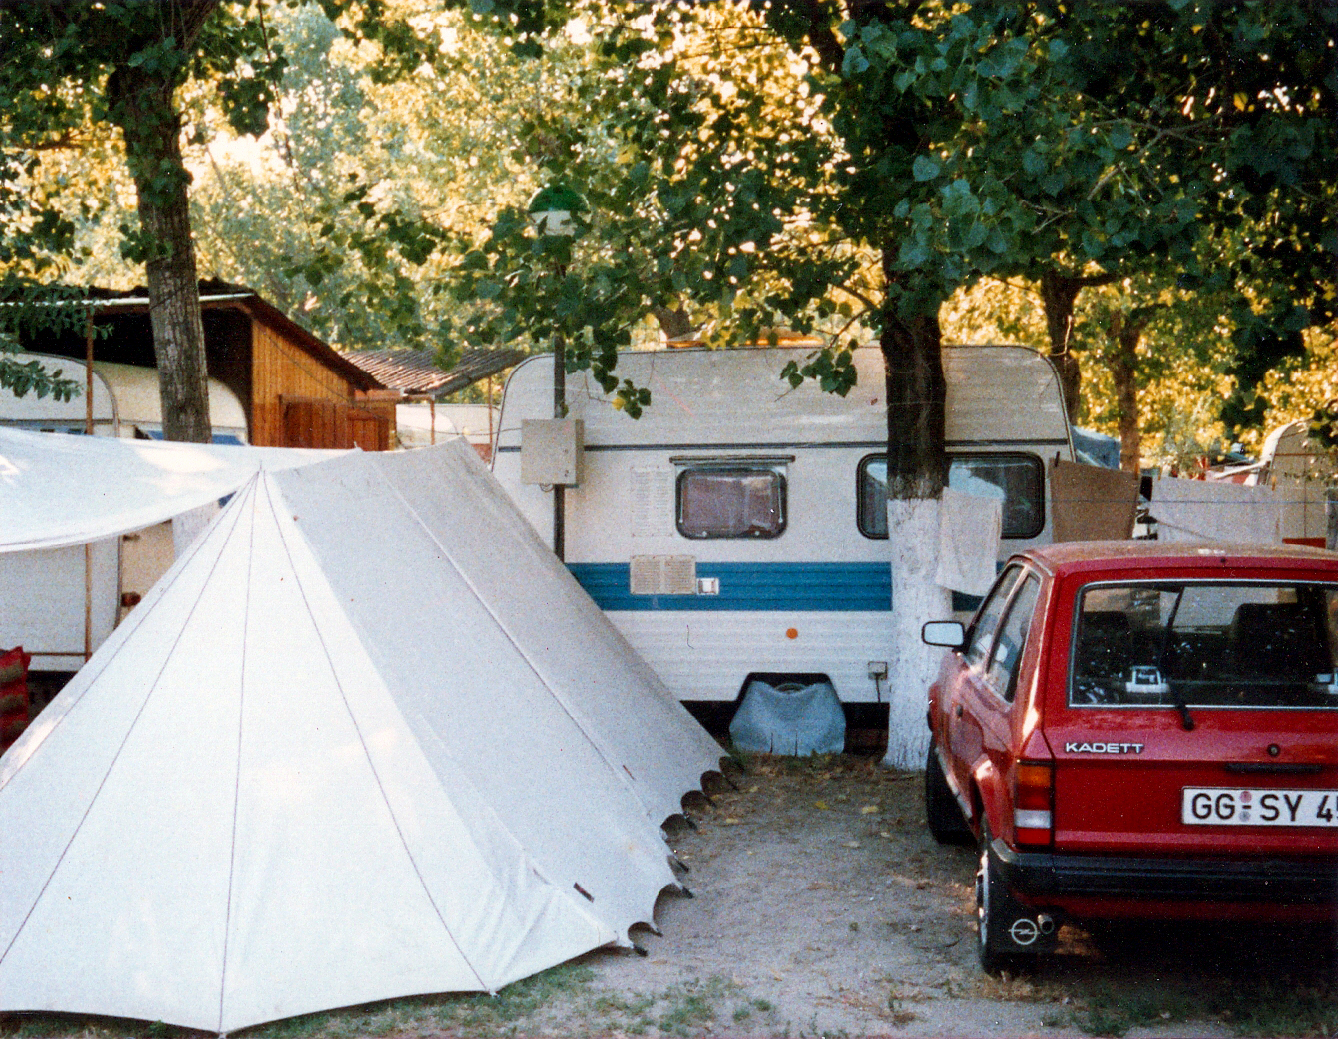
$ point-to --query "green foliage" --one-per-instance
(833, 370)
(25, 306)
(72, 69)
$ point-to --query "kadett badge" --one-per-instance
(1103, 748)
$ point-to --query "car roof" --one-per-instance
(1082, 556)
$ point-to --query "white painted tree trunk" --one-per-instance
(912, 534)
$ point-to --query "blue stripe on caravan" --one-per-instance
(751, 586)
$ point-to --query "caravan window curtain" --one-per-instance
(731, 503)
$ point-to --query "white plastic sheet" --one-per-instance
(1214, 510)
(58, 490)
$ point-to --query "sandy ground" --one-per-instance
(822, 907)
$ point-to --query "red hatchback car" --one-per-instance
(1135, 730)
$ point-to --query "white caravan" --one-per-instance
(126, 403)
(738, 528)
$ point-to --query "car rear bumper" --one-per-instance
(1042, 875)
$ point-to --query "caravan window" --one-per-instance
(1019, 478)
(733, 502)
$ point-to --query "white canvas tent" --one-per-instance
(365, 739)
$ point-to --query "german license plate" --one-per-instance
(1232, 806)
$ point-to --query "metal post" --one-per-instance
(559, 411)
(88, 430)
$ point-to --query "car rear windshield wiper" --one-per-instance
(1177, 696)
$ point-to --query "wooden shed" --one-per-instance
(296, 390)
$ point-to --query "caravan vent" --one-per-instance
(663, 575)
(653, 502)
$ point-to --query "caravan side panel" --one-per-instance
(808, 592)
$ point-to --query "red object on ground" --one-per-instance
(14, 702)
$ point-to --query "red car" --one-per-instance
(1134, 730)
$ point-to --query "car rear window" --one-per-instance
(1205, 644)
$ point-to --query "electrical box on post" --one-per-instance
(552, 451)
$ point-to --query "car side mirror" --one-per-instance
(944, 633)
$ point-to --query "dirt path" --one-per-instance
(822, 907)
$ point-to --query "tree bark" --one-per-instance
(917, 468)
(1060, 291)
(916, 402)
(675, 324)
(142, 104)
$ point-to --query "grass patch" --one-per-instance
(1280, 1009)
(34, 1026)
(562, 1000)
(1112, 1012)
(692, 1007)
(520, 1001)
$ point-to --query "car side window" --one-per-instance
(1002, 672)
(987, 619)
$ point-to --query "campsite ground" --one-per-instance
(822, 908)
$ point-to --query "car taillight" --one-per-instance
(1033, 802)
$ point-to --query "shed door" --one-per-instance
(308, 422)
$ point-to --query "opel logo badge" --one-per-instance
(1024, 931)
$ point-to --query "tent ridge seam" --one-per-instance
(320, 635)
(237, 773)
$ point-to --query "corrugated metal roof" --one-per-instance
(416, 371)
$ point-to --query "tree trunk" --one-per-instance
(1124, 334)
(916, 402)
(1060, 291)
(916, 474)
(142, 106)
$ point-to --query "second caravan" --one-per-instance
(738, 529)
